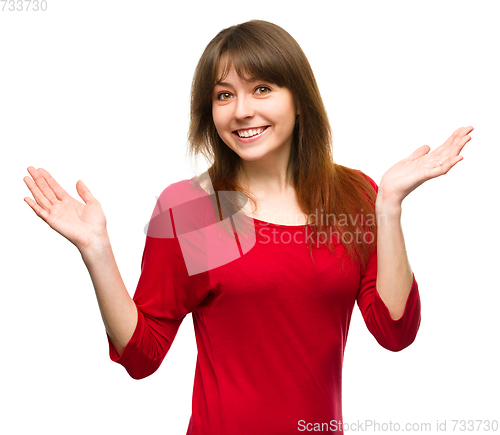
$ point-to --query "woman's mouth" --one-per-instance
(250, 134)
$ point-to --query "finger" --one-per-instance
(41, 213)
(419, 152)
(464, 134)
(464, 131)
(452, 162)
(84, 192)
(43, 186)
(454, 139)
(445, 165)
(450, 140)
(460, 145)
(53, 184)
(37, 194)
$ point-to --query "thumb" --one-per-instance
(419, 152)
(84, 192)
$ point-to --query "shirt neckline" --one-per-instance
(264, 223)
(272, 224)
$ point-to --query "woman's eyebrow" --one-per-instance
(222, 84)
(248, 81)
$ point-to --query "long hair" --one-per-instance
(259, 49)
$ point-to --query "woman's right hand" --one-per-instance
(82, 224)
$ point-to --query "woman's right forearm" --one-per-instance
(118, 310)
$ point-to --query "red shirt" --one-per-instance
(271, 325)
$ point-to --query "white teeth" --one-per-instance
(250, 133)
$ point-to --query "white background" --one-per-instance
(99, 91)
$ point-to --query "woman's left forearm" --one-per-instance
(394, 274)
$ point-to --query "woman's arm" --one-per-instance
(118, 310)
(84, 225)
(394, 274)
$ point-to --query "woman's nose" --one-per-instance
(244, 107)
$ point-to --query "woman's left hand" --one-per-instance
(406, 175)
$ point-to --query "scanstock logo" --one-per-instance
(208, 238)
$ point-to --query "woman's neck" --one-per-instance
(275, 181)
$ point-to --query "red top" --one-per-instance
(271, 325)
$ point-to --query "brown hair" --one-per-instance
(262, 50)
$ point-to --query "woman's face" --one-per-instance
(255, 119)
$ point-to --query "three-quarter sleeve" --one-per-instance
(392, 334)
(165, 293)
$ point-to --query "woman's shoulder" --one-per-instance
(358, 175)
(184, 202)
(191, 186)
(374, 185)
(183, 191)
(202, 181)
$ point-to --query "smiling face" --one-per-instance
(254, 118)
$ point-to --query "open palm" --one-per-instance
(81, 224)
(420, 166)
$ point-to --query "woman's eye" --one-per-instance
(263, 90)
(224, 96)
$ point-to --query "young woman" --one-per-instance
(271, 306)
